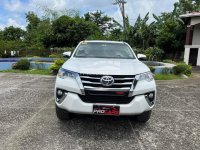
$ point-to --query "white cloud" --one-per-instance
(142, 7)
(133, 8)
(12, 22)
(51, 4)
(13, 5)
(1, 27)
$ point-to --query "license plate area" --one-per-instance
(106, 110)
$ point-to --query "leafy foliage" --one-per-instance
(12, 33)
(105, 23)
(171, 34)
(7, 46)
(52, 56)
(154, 53)
(69, 31)
(22, 64)
(142, 34)
(182, 68)
(56, 66)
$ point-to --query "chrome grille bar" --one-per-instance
(124, 83)
(92, 82)
(88, 77)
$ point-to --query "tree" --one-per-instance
(32, 20)
(11, 33)
(11, 46)
(154, 53)
(142, 34)
(170, 33)
(69, 31)
(115, 35)
(171, 37)
(105, 23)
(39, 32)
(187, 5)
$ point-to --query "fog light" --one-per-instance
(59, 93)
(151, 95)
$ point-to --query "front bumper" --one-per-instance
(74, 104)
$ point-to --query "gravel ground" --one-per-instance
(28, 121)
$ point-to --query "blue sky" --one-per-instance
(12, 12)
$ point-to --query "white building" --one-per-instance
(192, 44)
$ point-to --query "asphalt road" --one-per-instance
(28, 121)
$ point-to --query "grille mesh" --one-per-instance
(123, 82)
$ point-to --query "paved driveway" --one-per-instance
(28, 121)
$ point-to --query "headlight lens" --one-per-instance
(63, 73)
(148, 76)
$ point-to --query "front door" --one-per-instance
(193, 56)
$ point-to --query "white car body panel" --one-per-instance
(104, 66)
(73, 103)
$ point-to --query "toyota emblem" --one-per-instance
(107, 80)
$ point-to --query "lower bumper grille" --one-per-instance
(106, 98)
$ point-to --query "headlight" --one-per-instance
(63, 73)
(148, 76)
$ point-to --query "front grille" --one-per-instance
(106, 99)
(95, 92)
(121, 82)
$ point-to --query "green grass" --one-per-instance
(33, 71)
(167, 77)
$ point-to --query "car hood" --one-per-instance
(105, 66)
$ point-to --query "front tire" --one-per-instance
(63, 114)
(144, 117)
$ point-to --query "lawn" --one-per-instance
(167, 77)
(32, 71)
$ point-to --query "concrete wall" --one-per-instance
(196, 35)
(186, 55)
(195, 20)
(198, 58)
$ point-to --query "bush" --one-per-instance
(52, 56)
(22, 64)
(56, 56)
(56, 66)
(154, 53)
(152, 69)
(182, 68)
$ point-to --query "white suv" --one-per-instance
(104, 78)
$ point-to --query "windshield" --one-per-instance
(104, 50)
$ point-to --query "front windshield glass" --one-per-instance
(104, 50)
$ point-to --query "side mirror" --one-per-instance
(141, 56)
(66, 54)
